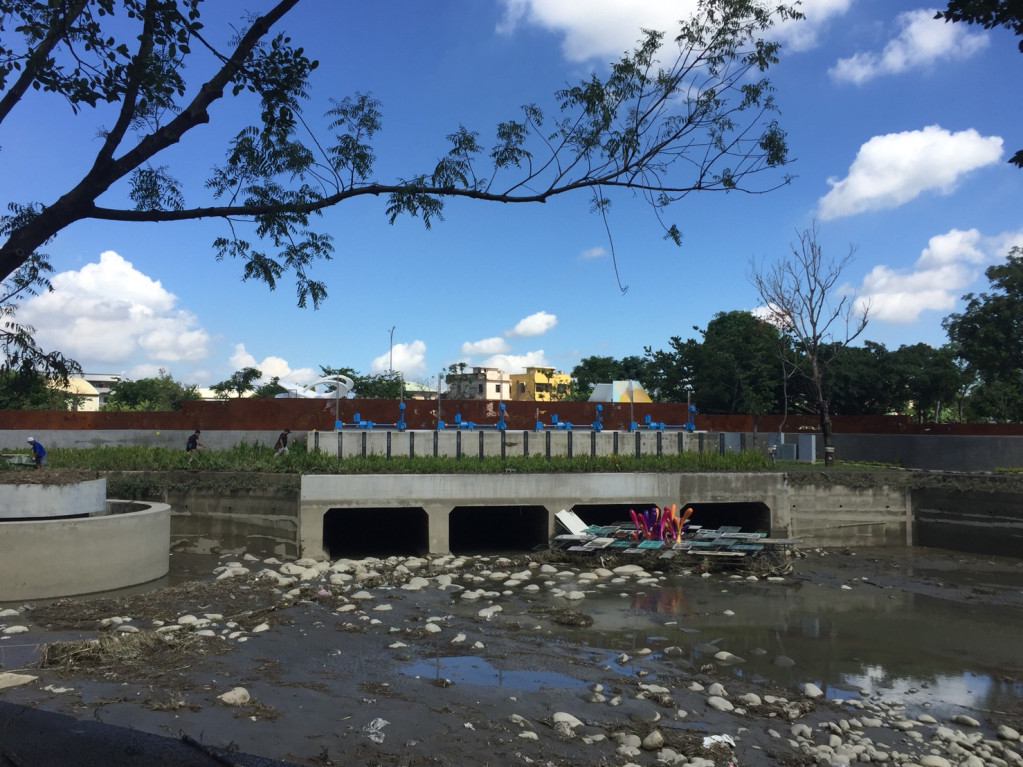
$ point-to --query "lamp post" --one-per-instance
(690, 425)
(390, 354)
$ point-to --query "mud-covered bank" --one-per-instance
(351, 663)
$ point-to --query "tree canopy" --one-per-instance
(681, 113)
(160, 392)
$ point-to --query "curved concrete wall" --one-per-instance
(63, 557)
(41, 501)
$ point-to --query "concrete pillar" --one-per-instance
(438, 527)
(310, 530)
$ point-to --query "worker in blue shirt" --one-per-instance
(38, 451)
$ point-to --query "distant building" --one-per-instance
(479, 383)
(619, 391)
(84, 395)
(102, 383)
(540, 384)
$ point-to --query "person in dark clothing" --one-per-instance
(193, 442)
(282, 442)
(38, 452)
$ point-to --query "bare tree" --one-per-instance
(800, 293)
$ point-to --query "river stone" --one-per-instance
(627, 570)
(239, 696)
(933, 760)
(718, 703)
(10, 679)
(784, 661)
(125, 628)
(362, 595)
(9, 613)
(16, 630)
(432, 628)
(575, 595)
(801, 731)
(717, 689)
(529, 735)
(653, 741)
(569, 719)
(726, 657)
(1005, 732)
(963, 719)
(811, 690)
(416, 584)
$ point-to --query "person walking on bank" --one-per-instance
(282, 443)
(38, 452)
(193, 442)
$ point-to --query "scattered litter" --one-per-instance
(374, 729)
(712, 740)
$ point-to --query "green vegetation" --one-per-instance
(298, 460)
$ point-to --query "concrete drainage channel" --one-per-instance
(63, 540)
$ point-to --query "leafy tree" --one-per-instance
(704, 121)
(591, 371)
(736, 367)
(669, 373)
(240, 382)
(800, 293)
(989, 14)
(862, 380)
(988, 336)
(159, 393)
(271, 389)
(21, 359)
(929, 378)
(29, 390)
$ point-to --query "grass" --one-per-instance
(246, 457)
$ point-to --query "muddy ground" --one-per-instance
(320, 679)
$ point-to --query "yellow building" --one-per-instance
(540, 385)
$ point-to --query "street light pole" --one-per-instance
(390, 356)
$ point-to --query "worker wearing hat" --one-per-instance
(38, 451)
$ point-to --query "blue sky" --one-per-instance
(899, 127)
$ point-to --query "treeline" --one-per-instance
(743, 364)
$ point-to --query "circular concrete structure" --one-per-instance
(63, 540)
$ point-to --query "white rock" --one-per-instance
(1005, 732)
(933, 760)
(653, 741)
(963, 719)
(16, 630)
(432, 628)
(383, 608)
(718, 703)
(9, 613)
(362, 595)
(717, 689)
(126, 628)
(529, 735)
(459, 638)
(627, 570)
(811, 690)
(261, 628)
(239, 696)
(571, 721)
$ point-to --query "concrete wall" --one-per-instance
(965, 520)
(945, 452)
(38, 501)
(80, 556)
(817, 516)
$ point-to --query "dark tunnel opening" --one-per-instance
(376, 532)
(497, 529)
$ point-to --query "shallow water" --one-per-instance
(865, 641)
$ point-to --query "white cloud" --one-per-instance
(517, 363)
(271, 366)
(109, 314)
(605, 29)
(534, 325)
(922, 41)
(895, 168)
(492, 345)
(945, 270)
(410, 359)
(597, 252)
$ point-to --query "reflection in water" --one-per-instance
(864, 641)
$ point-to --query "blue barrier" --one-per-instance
(359, 423)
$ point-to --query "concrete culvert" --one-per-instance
(493, 529)
(374, 532)
(750, 517)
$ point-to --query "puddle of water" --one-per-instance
(474, 670)
(924, 651)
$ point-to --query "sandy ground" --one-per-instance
(349, 675)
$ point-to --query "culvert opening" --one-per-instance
(749, 517)
(375, 532)
(490, 529)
